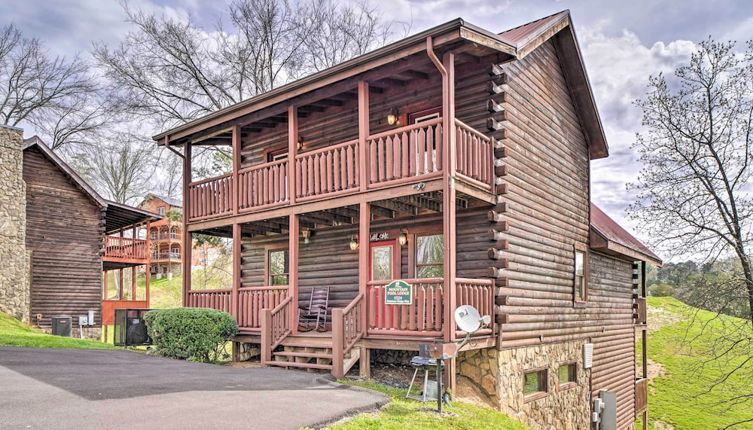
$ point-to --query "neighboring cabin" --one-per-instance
(73, 236)
(458, 161)
(165, 234)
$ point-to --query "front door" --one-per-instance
(383, 258)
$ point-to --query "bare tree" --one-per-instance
(693, 192)
(55, 95)
(121, 169)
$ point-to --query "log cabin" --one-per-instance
(165, 235)
(77, 238)
(455, 160)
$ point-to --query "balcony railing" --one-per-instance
(214, 299)
(394, 157)
(125, 249)
(166, 256)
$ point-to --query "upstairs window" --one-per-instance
(430, 256)
(277, 154)
(161, 210)
(580, 275)
(277, 261)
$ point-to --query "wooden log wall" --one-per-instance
(611, 301)
(65, 237)
(328, 261)
(544, 200)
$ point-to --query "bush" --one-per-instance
(191, 333)
(661, 290)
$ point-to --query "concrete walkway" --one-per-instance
(80, 389)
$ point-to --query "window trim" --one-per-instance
(577, 300)
(561, 386)
(424, 115)
(544, 376)
(268, 260)
(270, 153)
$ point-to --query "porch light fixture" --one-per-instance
(403, 238)
(306, 236)
(353, 243)
(392, 117)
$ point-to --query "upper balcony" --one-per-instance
(126, 250)
(406, 155)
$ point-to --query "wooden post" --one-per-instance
(106, 293)
(644, 342)
(187, 237)
(449, 208)
(148, 266)
(338, 343)
(133, 283)
(364, 228)
(292, 151)
(363, 134)
(364, 363)
(234, 305)
(266, 336)
(236, 166)
(293, 233)
(120, 284)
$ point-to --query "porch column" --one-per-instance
(234, 309)
(187, 236)
(364, 227)
(449, 208)
(148, 266)
(293, 233)
(292, 151)
(236, 166)
(363, 134)
(134, 238)
(105, 293)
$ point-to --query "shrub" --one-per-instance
(661, 290)
(191, 333)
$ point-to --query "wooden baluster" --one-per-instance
(389, 158)
(374, 176)
(310, 166)
(396, 153)
(352, 177)
(440, 144)
(422, 308)
(382, 174)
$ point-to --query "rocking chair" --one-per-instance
(314, 316)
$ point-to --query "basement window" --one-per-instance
(568, 375)
(534, 384)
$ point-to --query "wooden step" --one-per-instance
(303, 354)
(307, 341)
(301, 365)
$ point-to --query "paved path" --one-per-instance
(90, 389)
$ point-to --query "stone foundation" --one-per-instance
(15, 298)
(498, 377)
(245, 351)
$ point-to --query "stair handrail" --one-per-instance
(346, 331)
(275, 327)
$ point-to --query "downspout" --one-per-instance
(433, 57)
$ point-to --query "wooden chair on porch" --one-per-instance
(314, 315)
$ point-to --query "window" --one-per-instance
(534, 382)
(154, 234)
(278, 267)
(424, 115)
(161, 210)
(430, 256)
(581, 275)
(567, 374)
(277, 154)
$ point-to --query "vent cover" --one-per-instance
(588, 355)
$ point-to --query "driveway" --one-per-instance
(77, 389)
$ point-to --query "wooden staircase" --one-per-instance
(310, 352)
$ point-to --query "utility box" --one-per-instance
(61, 326)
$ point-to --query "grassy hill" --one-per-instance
(681, 339)
(15, 333)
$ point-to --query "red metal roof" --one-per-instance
(517, 34)
(607, 228)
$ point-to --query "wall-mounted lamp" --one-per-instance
(306, 236)
(403, 238)
(392, 117)
(353, 243)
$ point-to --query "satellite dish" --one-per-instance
(467, 318)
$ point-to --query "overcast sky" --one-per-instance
(622, 43)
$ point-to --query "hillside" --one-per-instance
(678, 349)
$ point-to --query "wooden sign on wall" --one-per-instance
(398, 293)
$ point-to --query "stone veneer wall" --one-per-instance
(498, 376)
(14, 259)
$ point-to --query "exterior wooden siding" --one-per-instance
(545, 189)
(611, 302)
(65, 235)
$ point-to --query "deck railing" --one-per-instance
(275, 327)
(329, 170)
(346, 331)
(398, 156)
(211, 197)
(641, 395)
(219, 299)
(640, 314)
(422, 317)
(263, 185)
(125, 248)
(251, 302)
(405, 153)
(478, 293)
(475, 155)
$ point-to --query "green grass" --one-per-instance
(682, 348)
(405, 414)
(15, 333)
(165, 293)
